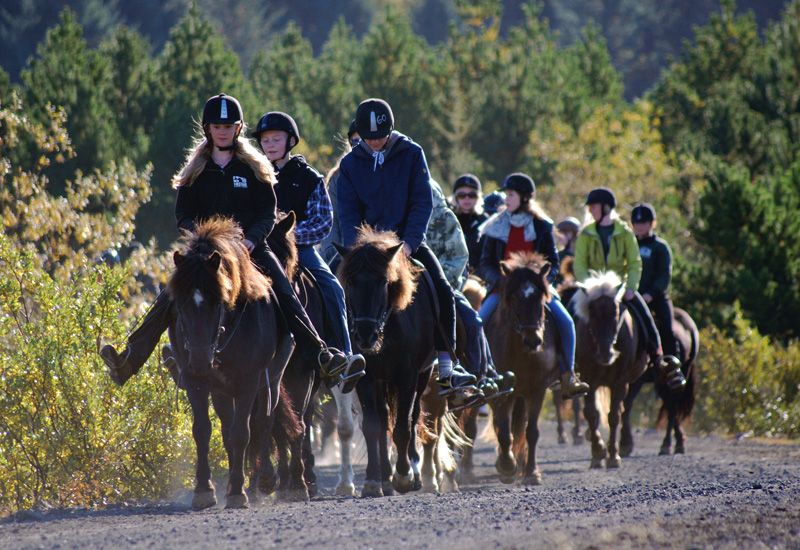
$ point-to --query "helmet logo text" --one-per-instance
(223, 109)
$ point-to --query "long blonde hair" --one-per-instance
(200, 153)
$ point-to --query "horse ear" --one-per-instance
(392, 252)
(505, 269)
(213, 260)
(287, 223)
(545, 270)
(178, 258)
(341, 250)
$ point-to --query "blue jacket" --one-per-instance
(395, 195)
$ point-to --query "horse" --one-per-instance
(392, 323)
(609, 352)
(676, 405)
(291, 427)
(228, 345)
(522, 337)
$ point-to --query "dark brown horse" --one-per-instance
(227, 343)
(392, 323)
(676, 405)
(291, 426)
(522, 337)
(609, 352)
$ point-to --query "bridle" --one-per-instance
(380, 322)
(215, 346)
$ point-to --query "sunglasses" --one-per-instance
(466, 195)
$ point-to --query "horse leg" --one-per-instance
(614, 416)
(204, 493)
(344, 427)
(413, 451)
(593, 420)
(666, 444)
(532, 475)
(679, 438)
(383, 441)
(577, 438)
(467, 470)
(505, 464)
(239, 437)
(304, 478)
(371, 427)
(557, 401)
(430, 483)
(626, 437)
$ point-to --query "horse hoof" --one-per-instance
(679, 449)
(371, 489)
(596, 463)
(506, 466)
(235, 502)
(562, 440)
(204, 499)
(577, 439)
(613, 461)
(388, 489)
(266, 484)
(625, 450)
(449, 485)
(534, 479)
(508, 480)
(293, 495)
(345, 490)
(312, 489)
(417, 485)
(664, 451)
(402, 483)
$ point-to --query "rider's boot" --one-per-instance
(336, 366)
(121, 366)
(670, 367)
(169, 362)
(571, 385)
(457, 381)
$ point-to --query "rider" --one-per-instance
(656, 273)
(524, 227)
(493, 203)
(384, 182)
(608, 244)
(468, 209)
(567, 234)
(446, 240)
(225, 175)
(301, 189)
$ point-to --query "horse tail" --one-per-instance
(519, 417)
(451, 437)
(474, 292)
(685, 399)
(287, 426)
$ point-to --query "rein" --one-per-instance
(380, 321)
(220, 331)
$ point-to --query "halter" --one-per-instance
(520, 327)
(616, 331)
(380, 321)
(220, 331)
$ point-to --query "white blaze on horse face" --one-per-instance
(528, 290)
(198, 298)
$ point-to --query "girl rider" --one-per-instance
(301, 189)
(225, 175)
(524, 227)
(608, 244)
(384, 182)
(467, 200)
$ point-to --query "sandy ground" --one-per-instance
(723, 493)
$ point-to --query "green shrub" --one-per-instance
(748, 382)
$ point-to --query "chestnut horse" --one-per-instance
(609, 352)
(228, 345)
(522, 337)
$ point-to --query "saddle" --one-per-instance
(644, 339)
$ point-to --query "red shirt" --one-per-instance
(516, 242)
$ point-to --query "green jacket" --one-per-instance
(623, 254)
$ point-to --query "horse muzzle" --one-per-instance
(367, 337)
(607, 357)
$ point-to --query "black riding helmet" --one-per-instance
(643, 213)
(521, 183)
(467, 180)
(222, 109)
(374, 119)
(493, 201)
(276, 120)
(601, 195)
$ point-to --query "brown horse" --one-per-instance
(522, 337)
(392, 323)
(609, 352)
(676, 405)
(228, 345)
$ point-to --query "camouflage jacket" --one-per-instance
(446, 239)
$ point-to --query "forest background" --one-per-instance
(693, 106)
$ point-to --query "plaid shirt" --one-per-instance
(319, 218)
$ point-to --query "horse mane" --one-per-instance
(370, 253)
(287, 251)
(530, 261)
(237, 277)
(603, 283)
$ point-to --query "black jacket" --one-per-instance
(234, 192)
(296, 182)
(469, 225)
(656, 266)
(494, 251)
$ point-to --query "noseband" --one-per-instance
(219, 332)
(380, 322)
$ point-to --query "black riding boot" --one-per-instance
(141, 342)
(669, 366)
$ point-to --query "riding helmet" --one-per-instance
(467, 180)
(569, 224)
(643, 213)
(521, 183)
(222, 109)
(374, 119)
(276, 120)
(493, 201)
(351, 129)
(601, 195)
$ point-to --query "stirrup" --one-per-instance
(350, 378)
(468, 401)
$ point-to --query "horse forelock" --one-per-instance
(289, 255)
(370, 253)
(524, 266)
(236, 279)
(599, 284)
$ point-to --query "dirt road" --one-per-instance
(722, 493)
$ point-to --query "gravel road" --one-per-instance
(723, 493)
